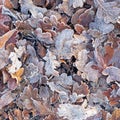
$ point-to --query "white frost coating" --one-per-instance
(63, 43)
(78, 3)
(51, 64)
(113, 74)
(27, 5)
(89, 73)
(19, 51)
(82, 59)
(16, 64)
(75, 112)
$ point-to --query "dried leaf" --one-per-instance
(78, 3)
(51, 64)
(89, 73)
(6, 37)
(8, 4)
(27, 5)
(18, 75)
(115, 115)
(113, 74)
(14, 57)
(3, 58)
(75, 112)
(3, 27)
(12, 84)
(18, 114)
(6, 99)
(41, 107)
(109, 11)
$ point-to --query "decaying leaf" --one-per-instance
(78, 3)
(115, 115)
(4, 54)
(51, 64)
(90, 73)
(14, 57)
(4, 28)
(6, 99)
(75, 112)
(18, 74)
(6, 37)
(113, 73)
(27, 5)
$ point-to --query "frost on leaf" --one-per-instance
(4, 38)
(6, 99)
(60, 83)
(89, 73)
(3, 58)
(108, 11)
(63, 43)
(32, 73)
(14, 57)
(4, 28)
(100, 25)
(77, 3)
(82, 59)
(75, 112)
(51, 64)
(31, 101)
(113, 74)
(27, 5)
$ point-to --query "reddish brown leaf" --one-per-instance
(109, 51)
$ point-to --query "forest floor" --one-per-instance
(59, 60)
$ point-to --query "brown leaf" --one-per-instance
(75, 17)
(6, 99)
(3, 26)
(41, 107)
(41, 50)
(12, 84)
(82, 89)
(12, 40)
(17, 75)
(78, 28)
(114, 100)
(6, 37)
(8, 4)
(109, 51)
(18, 114)
(115, 115)
(6, 76)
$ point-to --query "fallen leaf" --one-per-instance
(8, 4)
(6, 99)
(18, 114)
(4, 27)
(18, 75)
(109, 51)
(6, 37)
(41, 107)
(115, 115)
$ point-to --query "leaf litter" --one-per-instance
(59, 60)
